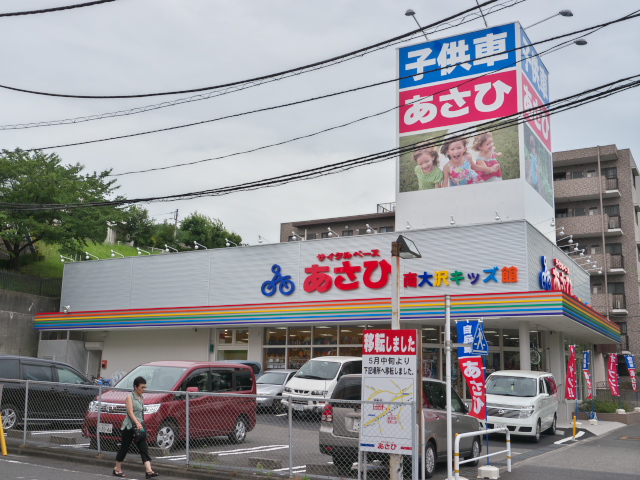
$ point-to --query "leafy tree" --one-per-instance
(207, 231)
(137, 226)
(164, 233)
(39, 178)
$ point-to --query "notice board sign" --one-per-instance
(390, 373)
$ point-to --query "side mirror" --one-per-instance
(467, 408)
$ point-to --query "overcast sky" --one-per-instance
(144, 46)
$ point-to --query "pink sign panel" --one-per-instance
(538, 119)
(461, 101)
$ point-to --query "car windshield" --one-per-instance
(319, 370)
(158, 378)
(511, 386)
(273, 378)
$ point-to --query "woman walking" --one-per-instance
(132, 423)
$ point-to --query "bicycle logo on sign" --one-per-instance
(284, 284)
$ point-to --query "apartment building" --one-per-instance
(597, 204)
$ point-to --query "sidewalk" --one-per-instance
(602, 428)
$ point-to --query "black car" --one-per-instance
(58, 393)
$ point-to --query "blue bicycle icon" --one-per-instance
(286, 286)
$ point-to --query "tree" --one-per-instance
(137, 226)
(39, 178)
(206, 231)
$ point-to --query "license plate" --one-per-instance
(105, 428)
(356, 424)
(298, 407)
(499, 425)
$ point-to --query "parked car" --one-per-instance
(526, 402)
(340, 426)
(165, 411)
(255, 366)
(317, 378)
(59, 393)
(271, 384)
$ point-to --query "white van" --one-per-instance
(526, 402)
(317, 378)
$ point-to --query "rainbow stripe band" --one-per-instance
(520, 304)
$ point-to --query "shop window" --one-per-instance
(242, 336)
(493, 362)
(224, 355)
(576, 175)
(274, 358)
(300, 336)
(430, 335)
(559, 176)
(351, 334)
(493, 337)
(351, 351)
(325, 335)
(225, 337)
(510, 338)
(325, 352)
(230, 336)
(430, 362)
(347, 233)
(312, 236)
(511, 361)
(275, 335)
(298, 357)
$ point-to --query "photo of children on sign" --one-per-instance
(488, 156)
(538, 165)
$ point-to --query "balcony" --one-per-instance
(616, 303)
(590, 226)
(585, 189)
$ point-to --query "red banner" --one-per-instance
(472, 369)
(612, 375)
(587, 379)
(634, 382)
(571, 387)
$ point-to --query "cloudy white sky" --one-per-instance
(143, 46)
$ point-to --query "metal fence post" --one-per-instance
(414, 440)
(99, 412)
(290, 410)
(187, 433)
(24, 417)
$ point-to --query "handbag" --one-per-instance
(140, 434)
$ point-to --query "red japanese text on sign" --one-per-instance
(538, 119)
(472, 369)
(571, 388)
(612, 375)
(385, 342)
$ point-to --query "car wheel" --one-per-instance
(9, 417)
(167, 436)
(476, 448)
(344, 464)
(552, 429)
(429, 460)
(239, 432)
(536, 437)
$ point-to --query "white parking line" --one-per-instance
(51, 432)
(578, 435)
(241, 451)
(298, 469)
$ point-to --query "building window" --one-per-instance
(324, 235)
(559, 176)
(347, 233)
(562, 212)
(612, 210)
(596, 289)
(386, 229)
(579, 212)
(594, 211)
(595, 249)
(611, 172)
(362, 231)
(312, 236)
(575, 175)
(615, 288)
(591, 173)
(613, 248)
(229, 336)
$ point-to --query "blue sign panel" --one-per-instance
(466, 334)
(465, 55)
(631, 361)
(534, 69)
(480, 345)
(586, 360)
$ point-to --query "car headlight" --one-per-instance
(287, 389)
(93, 407)
(526, 412)
(153, 408)
(322, 393)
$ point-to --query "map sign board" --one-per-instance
(390, 377)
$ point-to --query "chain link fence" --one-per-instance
(222, 432)
(46, 287)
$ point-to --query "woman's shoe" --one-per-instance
(118, 474)
(151, 475)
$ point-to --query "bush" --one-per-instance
(602, 406)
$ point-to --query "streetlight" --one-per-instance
(411, 13)
(63, 258)
(262, 239)
(401, 248)
(141, 251)
(167, 248)
(562, 13)
(295, 237)
(199, 245)
(229, 242)
(89, 255)
(114, 253)
(332, 233)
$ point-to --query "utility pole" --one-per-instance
(175, 218)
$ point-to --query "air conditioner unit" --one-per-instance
(613, 223)
(617, 305)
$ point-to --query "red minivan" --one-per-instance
(165, 405)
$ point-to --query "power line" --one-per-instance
(551, 108)
(195, 98)
(355, 53)
(56, 9)
(312, 99)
